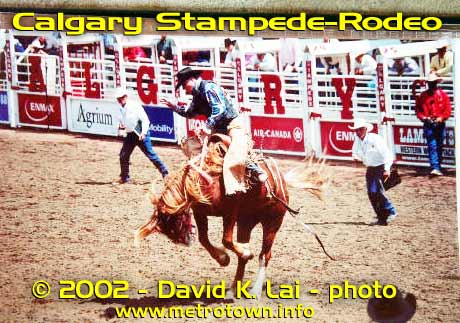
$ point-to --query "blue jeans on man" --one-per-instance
(129, 143)
(380, 203)
(435, 133)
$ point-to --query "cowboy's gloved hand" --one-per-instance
(168, 103)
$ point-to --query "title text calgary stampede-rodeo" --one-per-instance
(171, 21)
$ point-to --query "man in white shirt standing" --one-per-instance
(371, 149)
(135, 125)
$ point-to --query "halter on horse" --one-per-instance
(201, 189)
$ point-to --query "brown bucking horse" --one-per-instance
(198, 186)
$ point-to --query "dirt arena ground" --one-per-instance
(62, 219)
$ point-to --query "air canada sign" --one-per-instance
(39, 110)
(281, 134)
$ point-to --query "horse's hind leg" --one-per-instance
(269, 233)
(218, 254)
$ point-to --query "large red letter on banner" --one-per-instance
(151, 96)
(345, 97)
(36, 83)
(272, 89)
(91, 90)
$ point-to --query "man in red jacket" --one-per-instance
(433, 109)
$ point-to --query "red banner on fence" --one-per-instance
(35, 109)
(337, 139)
(381, 87)
(283, 134)
(309, 76)
(411, 147)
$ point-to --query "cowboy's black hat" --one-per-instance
(229, 42)
(184, 74)
(392, 310)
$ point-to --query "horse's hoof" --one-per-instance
(223, 260)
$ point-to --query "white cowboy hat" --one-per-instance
(120, 92)
(432, 77)
(360, 123)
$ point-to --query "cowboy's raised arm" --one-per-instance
(183, 110)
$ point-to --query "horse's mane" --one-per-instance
(186, 186)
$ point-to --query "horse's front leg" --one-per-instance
(218, 254)
(241, 249)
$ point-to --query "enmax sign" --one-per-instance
(41, 110)
(337, 138)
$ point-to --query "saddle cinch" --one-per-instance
(212, 161)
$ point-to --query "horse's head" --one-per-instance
(172, 219)
(177, 227)
(172, 215)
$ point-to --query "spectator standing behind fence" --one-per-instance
(134, 126)
(442, 62)
(164, 50)
(365, 64)
(404, 66)
(433, 109)
(264, 62)
(38, 45)
(289, 55)
(109, 43)
(134, 54)
(371, 149)
(232, 52)
(331, 63)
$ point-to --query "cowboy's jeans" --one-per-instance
(129, 143)
(380, 203)
(435, 133)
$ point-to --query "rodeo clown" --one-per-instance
(210, 100)
(371, 149)
(134, 127)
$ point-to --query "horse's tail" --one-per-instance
(310, 176)
(145, 230)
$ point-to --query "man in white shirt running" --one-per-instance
(135, 122)
(371, 149)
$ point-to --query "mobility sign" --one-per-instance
(161, 123)
(40, 110)
(337, 138)
(278, 134)
(94, 116)
(411, 147)
(4, 115)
